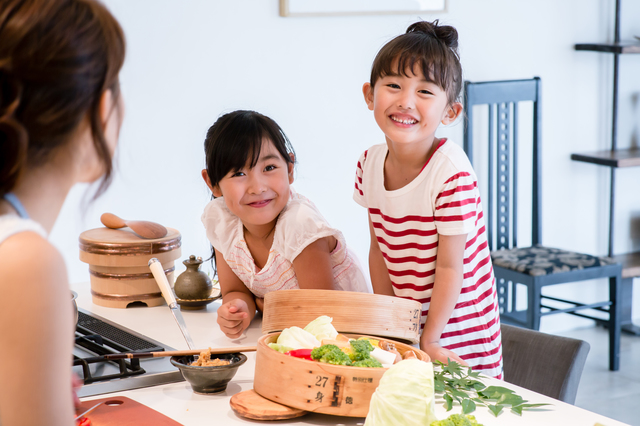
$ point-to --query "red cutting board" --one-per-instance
(123, 411)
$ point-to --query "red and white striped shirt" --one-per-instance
(442, 200)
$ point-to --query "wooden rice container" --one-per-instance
(118, 265)
(352, 312)
(316, 386)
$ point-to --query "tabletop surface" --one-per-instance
(178, 402)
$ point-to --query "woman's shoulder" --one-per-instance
(28, 256)
(11, 225)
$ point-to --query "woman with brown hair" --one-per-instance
(60, 116)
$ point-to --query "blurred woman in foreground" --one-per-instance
(60, 116)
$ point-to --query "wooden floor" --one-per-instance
(612, 394)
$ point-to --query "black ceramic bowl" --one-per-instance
(207, 380)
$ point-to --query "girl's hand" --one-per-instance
(234, 318)
(437, 352)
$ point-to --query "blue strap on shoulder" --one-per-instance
(17, 205)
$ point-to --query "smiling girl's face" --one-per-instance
(258, 194)
(409, 108)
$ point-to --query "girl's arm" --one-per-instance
(313, 265)
(380, 279)
(238, 303)
(445, 294)
(36, 342)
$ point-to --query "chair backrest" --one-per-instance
(544, 363)
(502, 97)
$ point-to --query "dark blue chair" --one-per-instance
(535, 266)
(544, 363)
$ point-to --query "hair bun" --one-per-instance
(445, 33)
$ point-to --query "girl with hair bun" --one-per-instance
(60, 117)
(428, 240)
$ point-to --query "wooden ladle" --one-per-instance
(143, 228)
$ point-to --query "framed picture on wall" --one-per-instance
(293, 8)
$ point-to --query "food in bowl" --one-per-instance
(204, 360)
(209, 379)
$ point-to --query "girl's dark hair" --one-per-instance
(57, 58)
(235, 139)
(429, 45)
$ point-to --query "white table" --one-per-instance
(178, 402)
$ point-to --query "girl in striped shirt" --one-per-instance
(266, 236)
(428, 239)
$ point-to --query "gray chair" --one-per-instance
(544, 363)
(528, 269)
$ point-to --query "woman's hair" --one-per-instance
(432, 47)
(57, 58)
(235, 139)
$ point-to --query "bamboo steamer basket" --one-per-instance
(315, 386)
(118, 265)
(352, 312)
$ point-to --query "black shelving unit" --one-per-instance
(616, 158)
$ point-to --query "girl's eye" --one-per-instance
(237, 174)
(269, 168)
(425, 92)
(393, 86)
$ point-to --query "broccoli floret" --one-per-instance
(457, 420)
(369, 362)
(331, 354)
(360, 350)
(318, 352)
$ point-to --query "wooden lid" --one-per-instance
(125, 242)
(122, 248)
(253, 406)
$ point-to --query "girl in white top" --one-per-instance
(265, 236)
(60, 114)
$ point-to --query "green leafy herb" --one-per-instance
(462, 385)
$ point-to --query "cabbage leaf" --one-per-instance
(297, 338)
(405, 396)
(322, 328)
(280, 348)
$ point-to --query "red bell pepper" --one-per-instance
(301, 353)
(83, 421)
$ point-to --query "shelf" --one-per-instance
(630, 264)
(622, 47)
(629, 157)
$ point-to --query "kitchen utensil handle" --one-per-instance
(214, 351)
(79, 416)
(163, 283)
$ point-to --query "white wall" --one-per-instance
(188, 62)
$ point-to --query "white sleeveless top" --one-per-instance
(11, 224)
(299, 224)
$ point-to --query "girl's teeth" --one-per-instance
(403, 121)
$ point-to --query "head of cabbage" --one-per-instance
(405, 396)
